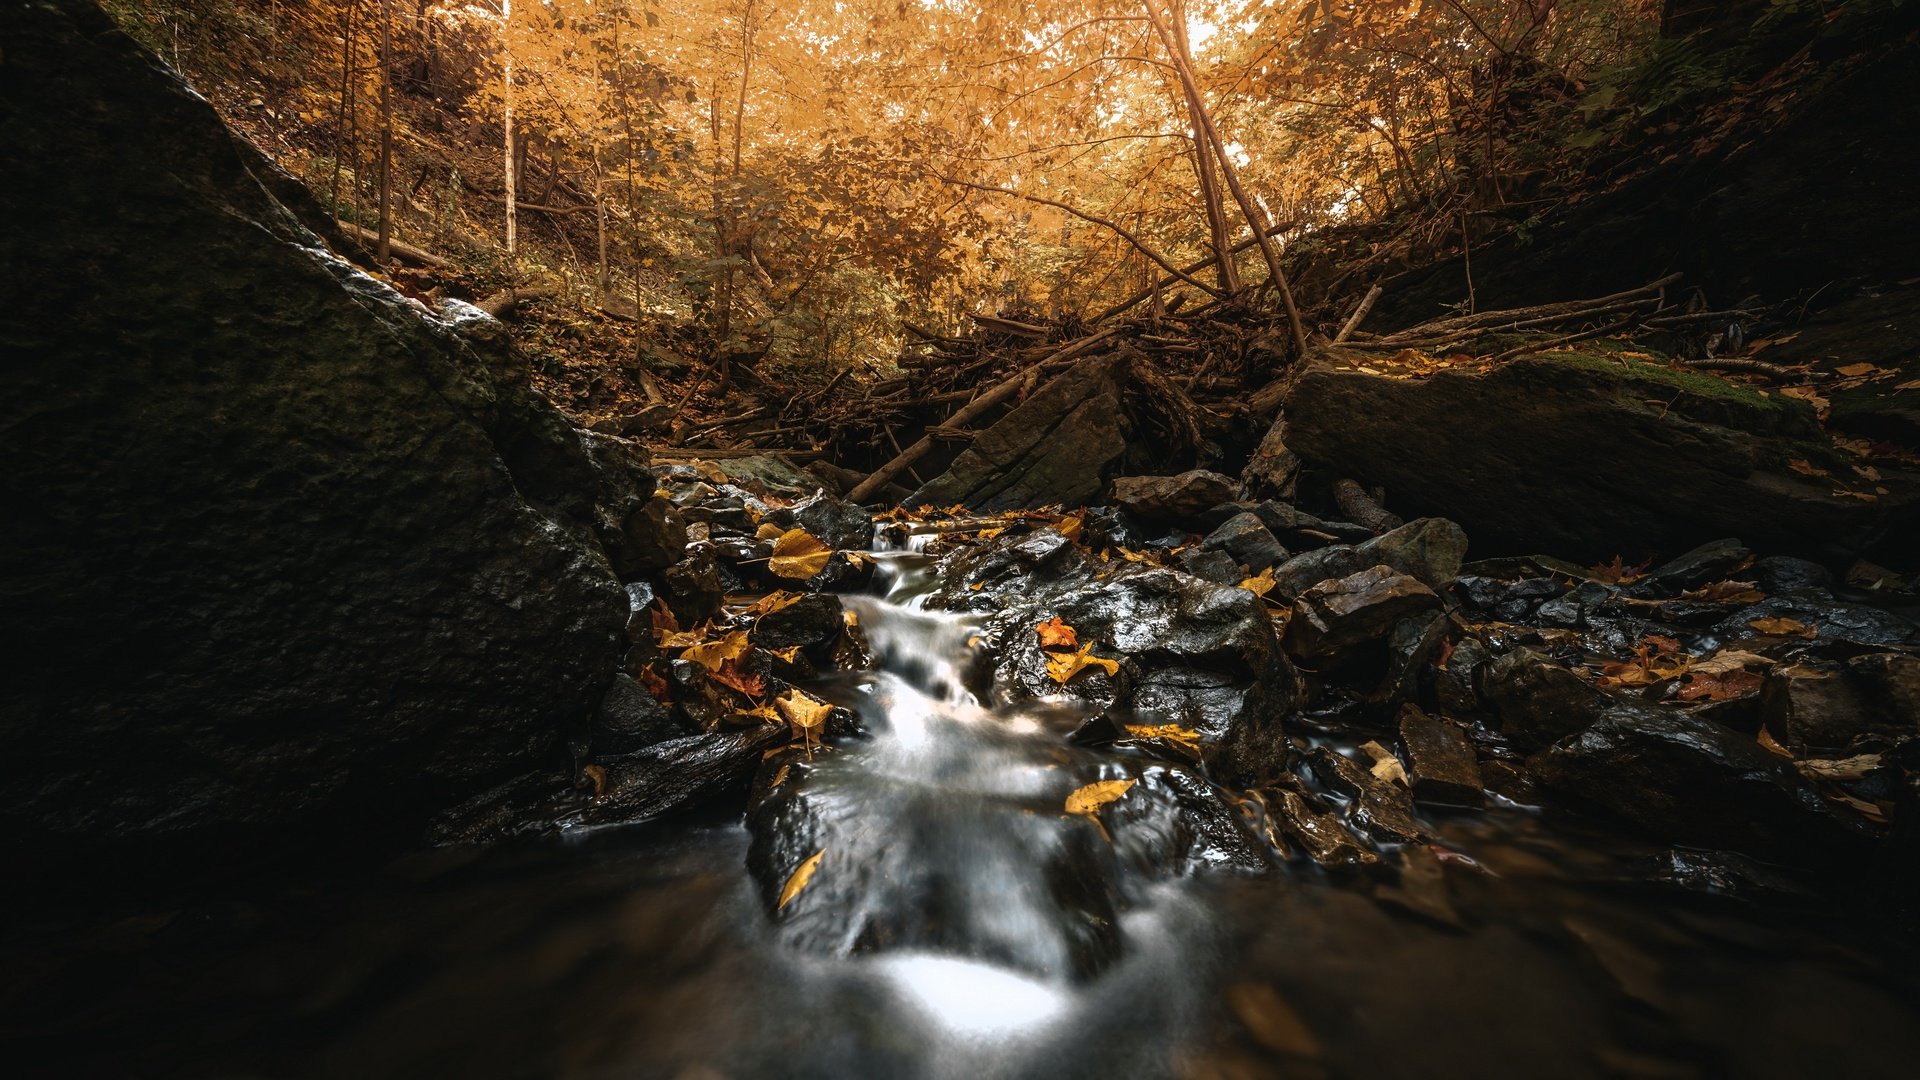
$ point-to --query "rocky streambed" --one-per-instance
(1173, 786)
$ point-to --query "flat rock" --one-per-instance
(1430, 550)
(1441, 765)
(1171, 498)
(1248, 540)
(1336, 615)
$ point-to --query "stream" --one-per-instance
(959, 925)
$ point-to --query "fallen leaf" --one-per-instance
(713, 655)
(768, 531)
(597, 775)
(731, 674)
(655, 685)
(1260, 584)
(1055, 634)
(1072, 525)
(1662, 643)
(1271, 1020)
(1768, 743)
(1085, 800)
(799, 878)
(1719, 686)
(1170, 732)
(1854, 370)
(1857, 767)
(803, 712)
(1730, 660)
(1063, 666)
(1385, 765)
(1807, 468)
(1865, 809)
(774, 601)
(1618, 572)
(1782, 627)
(790, 654)
(1725, 592)
(799, 554)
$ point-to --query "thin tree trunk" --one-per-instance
(1257, 219)
(1202, 158)
(383, 247)
(342, 128)
(506, 48)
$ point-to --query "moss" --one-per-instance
(1700, 384)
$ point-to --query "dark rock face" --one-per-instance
(1248, 540)
(1337, 615)
(1441, 766)
(1058, 446)
(282, 549)
(1538, 701)
(1170, 498)
(1826, 706)
(1692, 781)
(1579, 458)
(1429, 550)
(1102, 417)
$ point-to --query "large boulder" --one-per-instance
(1104, 416)
(1590, 456)
(283, 550)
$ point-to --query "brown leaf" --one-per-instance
(1782, 627)
(798, 880)
(1721, 686)
(1725, 592)
(1091, 797)
(1618, 572)
(774, 601)
(597, 776)
(731, 674)
(1385, 765)
(1055, 634)
(768, 531)
(798, 554)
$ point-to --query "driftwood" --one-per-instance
(399, 248)
(1360, 311)
(502, 303)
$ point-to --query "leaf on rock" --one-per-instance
(713, 655)
(1807, 468)
(1855, 370)
(1618, 572)
(798, 880)
(1086, 800)
(1719, 686)
(1782, 626)
(1170, 732)
(597, 776)
(1730, 660)
(1055, 634)
(774, 601)
(768, 531)
(803, 712)
(1725, 592)
(1768, 743)
(733, 675)
(1260, 584)
(1072, 525)
(1063, 666)
(799, 554)
(1385, 765)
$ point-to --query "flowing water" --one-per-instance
(960, 925)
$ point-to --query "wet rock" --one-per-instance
(676, 775)
(639, 531)
(629, 719)
(1292, 822)
(1711, 561)
(1831, 620)
(1505, 600)
(691, 587)
(1215, 566)
(835, 523)
(1060, 445)
(1456, 682)
(1515, 454)
(1441, 767)
(808, 622)
(1688, 780)
(696, 696)
(283, 552)
(766, 474)
(1510, 782)
(1017, 564)
(1785, 574)
(1380, 808)
(1171, 498)
(1429, 550)
(1273, 469)
(1537, 701)
(1411, 646)
(1826, 706)
(1334, 616)
(1577, 607)
(1246, 538)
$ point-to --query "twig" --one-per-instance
(1360, 311)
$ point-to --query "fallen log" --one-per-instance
(502, 303)
(1362, 508)
(400, 248)
(1359, 314)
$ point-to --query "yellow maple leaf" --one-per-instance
(798, 880)
(1260, 584)
(798, 554)
(1063, 666)
(1170, 732)
(713, 655)
(1091, 797)
(802, 711)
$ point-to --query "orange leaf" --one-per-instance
(1055, 634)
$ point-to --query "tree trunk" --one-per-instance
(506, 48)
(383, 247)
